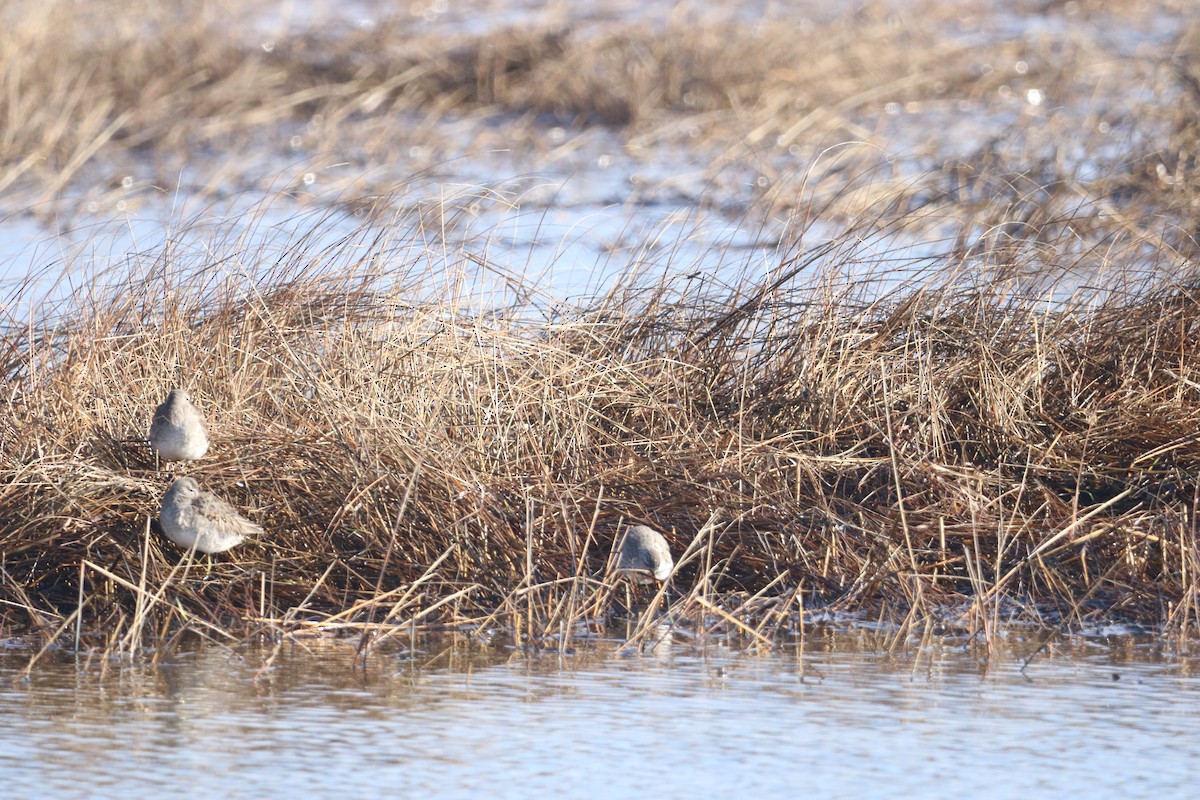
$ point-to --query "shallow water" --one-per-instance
(833, 715)
(586, 204)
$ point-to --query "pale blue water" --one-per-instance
(589, 205)
(838, 720)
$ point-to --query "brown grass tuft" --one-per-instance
(960, 444)
(977, 402)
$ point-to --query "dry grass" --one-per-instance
(954, 448)
(198, 96)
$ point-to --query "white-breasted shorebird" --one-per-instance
(192, 517)
(178, 431)
(644, 555)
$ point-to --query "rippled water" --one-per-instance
(833, 716)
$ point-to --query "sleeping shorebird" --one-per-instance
(645, 556)
(178, 431)
(192, 517)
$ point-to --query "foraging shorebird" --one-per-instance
(178, 431)
(192, 517)
(644, 555)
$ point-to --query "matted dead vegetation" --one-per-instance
(960, 450)
(107, 100)
(973, 445)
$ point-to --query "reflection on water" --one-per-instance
(834, 715)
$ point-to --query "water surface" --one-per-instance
(833, 715)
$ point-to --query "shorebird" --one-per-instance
(644, 556)
(178, 431)
(192, 517)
